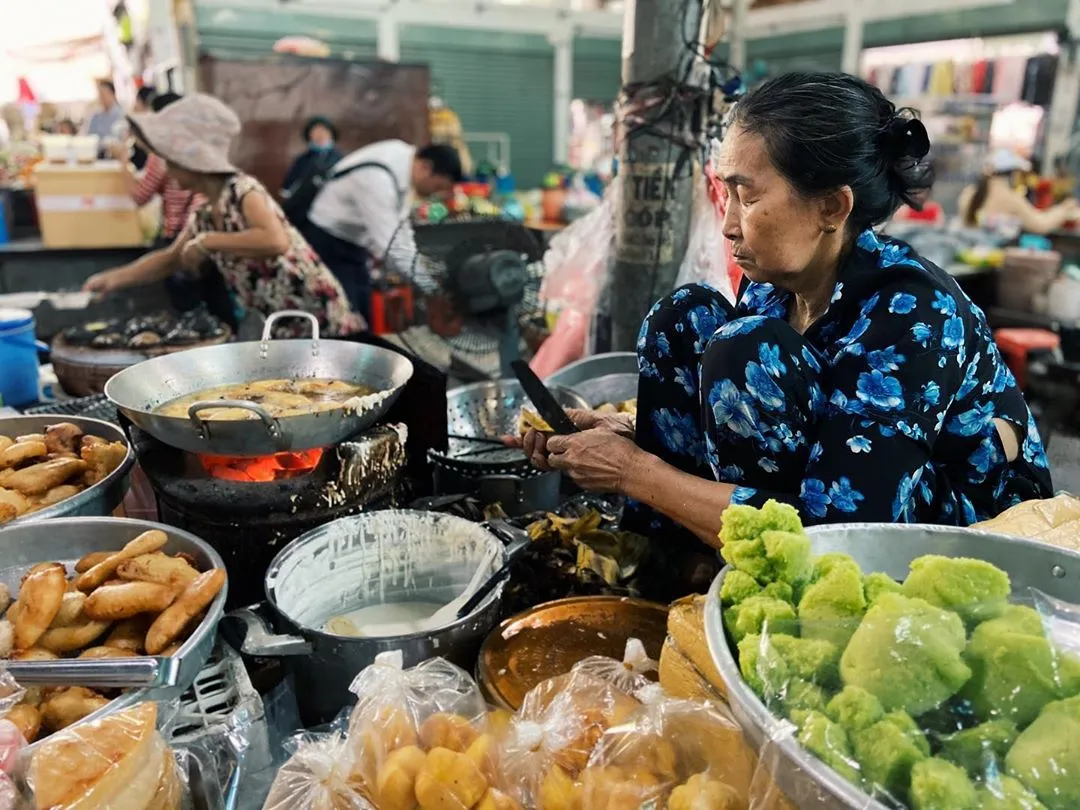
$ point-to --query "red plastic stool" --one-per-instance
(391, 309)
(1016, 344)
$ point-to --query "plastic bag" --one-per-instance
(1055, 521)
(938, 691)
(420, 737)
(120, 760)
(671, 753)
(628, 675)
(318, 776)
(560, 721)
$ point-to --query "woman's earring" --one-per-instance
(829, 229)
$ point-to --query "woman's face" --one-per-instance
(320, 136)
(776, 234)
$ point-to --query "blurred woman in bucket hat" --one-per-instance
(264, 261)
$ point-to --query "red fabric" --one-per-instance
(26, 93)
(176, 204)
(718, 195)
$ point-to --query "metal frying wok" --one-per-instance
(137, 391)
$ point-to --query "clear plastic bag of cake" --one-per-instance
(628, 675)
(551, 738)
(318, 776)
(421, 737)
(120, 760)
(672, 753)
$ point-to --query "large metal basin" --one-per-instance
(602, 378)
(876, 547)
(376, 558)
(66, 540)
(102, 498)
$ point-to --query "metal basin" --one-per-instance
(99, 500)
(602, 378)
(377, 558)
(66, 540)
(805, 780)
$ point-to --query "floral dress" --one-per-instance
(297, 279)
(883, 411)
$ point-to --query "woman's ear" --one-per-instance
(835, 208)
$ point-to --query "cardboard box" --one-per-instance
(86, 206)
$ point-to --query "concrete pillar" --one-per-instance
(853, 37)
(1061, 116)
(652, 225)
(388, 41)
(563, 42)
(737, 33)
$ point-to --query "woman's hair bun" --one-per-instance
(824, 131)
(907, 137)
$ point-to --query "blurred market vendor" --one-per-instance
(186, 289)
(854, 380)
(319, 156)
(109, 113)
(994, 203)
(360, 215)
(264, 261)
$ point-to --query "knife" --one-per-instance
(543, 400)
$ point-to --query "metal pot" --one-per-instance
(66, 540)
(102, 498)
(137, 391)
(370, 559)
(602, 378)
(805, 780)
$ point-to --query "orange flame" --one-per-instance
(262, 468)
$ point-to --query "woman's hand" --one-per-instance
(596, 460)
(105, 282)
(193, 254)
(534, 443)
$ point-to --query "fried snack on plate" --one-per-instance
(196, 597)
(116, 762)
(57, 494)
(5, 442)
(63, 438)
(106, 652)
(70, 608)
(145, 543)
(21, 452)
(34, 654)
(15, 501)
(43, 476)
(101, 459)
(159, 568)
(30, 437)
(129, 634)
(75, 636)
(126, 599)
(69, 706)
(530, 420)
(27, 719)
(91, 559)
(7, 513)
(7, 638)
(40, 598)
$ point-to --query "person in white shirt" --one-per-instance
(360, 213)
(102, 122)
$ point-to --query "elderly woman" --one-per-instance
(264, 261)
(854, 380)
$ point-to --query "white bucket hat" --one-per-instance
(193, 133)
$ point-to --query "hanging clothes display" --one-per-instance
(1009, 78)
(1039, 73)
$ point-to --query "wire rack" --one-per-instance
(96, 406)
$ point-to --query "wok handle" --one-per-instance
(268, 330)
(259, 641)
(202, 428)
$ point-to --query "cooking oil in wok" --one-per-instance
(279, 398)
(382, 621)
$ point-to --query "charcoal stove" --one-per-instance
(248, 509)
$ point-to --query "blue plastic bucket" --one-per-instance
(18, 357)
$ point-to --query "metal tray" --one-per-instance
(602, 378)
(805, 780)
(66, 540)
(99, 500)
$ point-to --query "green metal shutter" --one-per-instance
(597, 69)
(494, 90)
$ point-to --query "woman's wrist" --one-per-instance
(641, 469)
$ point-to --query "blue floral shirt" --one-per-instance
(912, 385)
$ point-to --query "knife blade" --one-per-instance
(543, 400)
